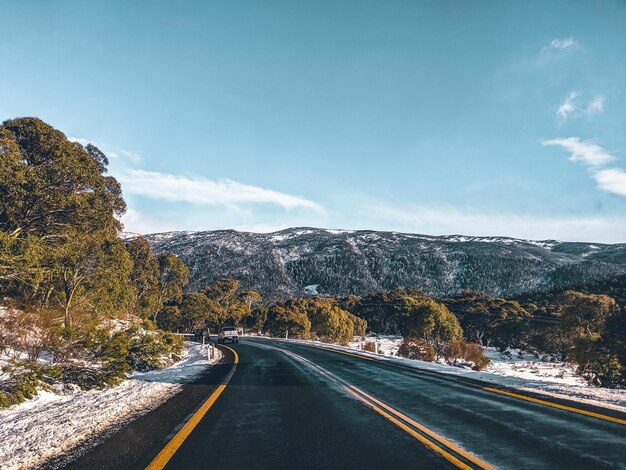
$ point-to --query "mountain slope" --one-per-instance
(291, 262)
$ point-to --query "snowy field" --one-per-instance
(51, 424)
(524, 372)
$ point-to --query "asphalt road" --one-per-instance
(294, 406)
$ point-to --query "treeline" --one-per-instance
(221, 303)
(430, 330)
(224, 303)
(586, 329)
(65, 273)
(314, 317)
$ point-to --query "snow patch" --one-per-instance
(51, 424)
(312, 289)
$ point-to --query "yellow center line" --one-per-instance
(491, 389)
(172, 446)
(431, 445)
(372, 403)
(556, 405)
(425, 430)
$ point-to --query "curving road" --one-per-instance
(289, 405)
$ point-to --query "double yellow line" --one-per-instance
(519, 396)
(161, 460)
(454, 454)
(430, 439)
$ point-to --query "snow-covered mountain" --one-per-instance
(299, 261)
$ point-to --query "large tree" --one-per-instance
(173, 277)
(49, 185)
(58, 221)
(144, 277)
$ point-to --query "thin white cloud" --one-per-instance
(203, 191)
(575, 105)
(139, 222)
(595, 158)
(595, 106)
(612, 180)
(568, 107)
(561, 45)
(583, 151)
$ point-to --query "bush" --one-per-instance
(89, 356)
(370, 346)
(416, 348)
(25, 378)
(153, 349)
(460, 352)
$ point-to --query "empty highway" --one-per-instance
(275, 404)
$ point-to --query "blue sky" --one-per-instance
(437, 117)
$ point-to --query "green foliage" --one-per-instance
(62, 259)
(198, 311)
(256, 320)
(416, 348)
(152, 349)
(584, 313)
(144, 278)
(221, 303)
(596, 362)
(21, 268)
(385, 312)
(173, 277)
(491, 321)
(49, 184)
(58, 222)
(433, 322)
(23, 383)
(170, 318)
(235, 304)
(321, 317)
(592, 333)
(282, 320)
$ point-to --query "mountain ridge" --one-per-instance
(288, 262)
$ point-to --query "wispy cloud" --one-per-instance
(204, 191)
(583, 151)
(575, 105)
(595, 158)
(194, 190)
(567, 108)
(612, 180)
(595, 106)
(140, 222)
(561, 45)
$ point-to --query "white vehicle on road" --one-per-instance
(228, 333)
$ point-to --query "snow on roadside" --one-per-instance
(51, 424)
(387, 344)
(522, 365)
(559, 383)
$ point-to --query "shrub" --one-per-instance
(152, 349)
(416, 348)
(25, 378)
(370, 346)
(460, 352)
